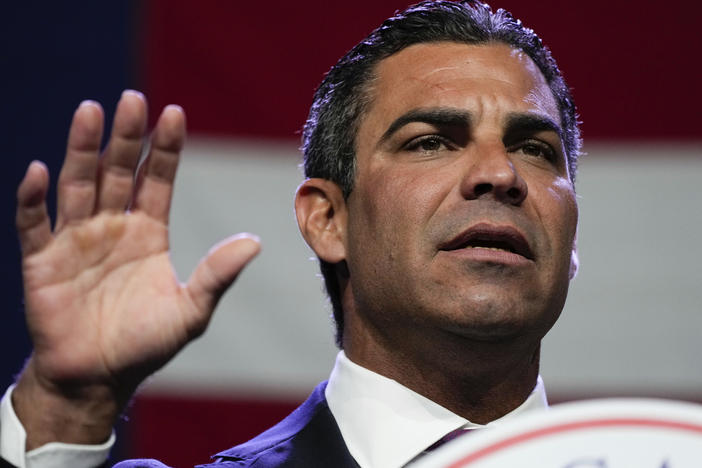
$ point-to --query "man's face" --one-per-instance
(462, 216)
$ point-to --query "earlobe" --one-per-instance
(321, 214)
(574, 259)
(574, 263)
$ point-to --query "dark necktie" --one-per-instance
(447, 438)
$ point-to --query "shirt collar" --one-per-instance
(385, 424)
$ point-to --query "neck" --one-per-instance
(478, 380)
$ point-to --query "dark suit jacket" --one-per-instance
(307, 438)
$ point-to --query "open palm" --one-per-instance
(103, 304)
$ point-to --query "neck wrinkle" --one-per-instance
(478, 381)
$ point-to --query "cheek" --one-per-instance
(390, 220)
(560, 214)
(399, 200)
(569, 206)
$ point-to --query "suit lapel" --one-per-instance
(309, 436)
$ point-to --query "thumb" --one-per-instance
(219, 268)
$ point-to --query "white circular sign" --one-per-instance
(616, 433)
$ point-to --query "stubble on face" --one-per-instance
(415, 191)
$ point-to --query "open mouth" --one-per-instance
(499, 238)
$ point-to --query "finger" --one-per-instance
(120, 159)
(76, 183)
(155, 180)
(217, 271)
(32, 219)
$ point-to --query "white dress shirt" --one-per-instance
(387, 425)
(384, 424)
(52, 455)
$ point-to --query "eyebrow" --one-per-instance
(531, 123)
(439, 117)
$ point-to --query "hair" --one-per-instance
(329, 135)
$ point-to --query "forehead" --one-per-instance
(489, 80)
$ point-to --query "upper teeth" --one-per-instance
(488, 248)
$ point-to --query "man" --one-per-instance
(440, 154)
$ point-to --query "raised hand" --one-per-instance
(104, 307)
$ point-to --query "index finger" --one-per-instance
(156, 175)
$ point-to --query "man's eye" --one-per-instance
(427, 144)
(538, 150)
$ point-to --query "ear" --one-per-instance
(574, 260)
(321, 216)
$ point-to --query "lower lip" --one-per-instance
(495, 256)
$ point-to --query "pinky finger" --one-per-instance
(32, 219)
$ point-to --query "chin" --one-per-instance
(491, 333)
(499, 324)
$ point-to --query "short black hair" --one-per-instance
(329, 135)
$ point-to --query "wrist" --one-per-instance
(74, 412)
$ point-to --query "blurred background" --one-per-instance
(245, 73)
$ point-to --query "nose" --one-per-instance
(491, 173)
